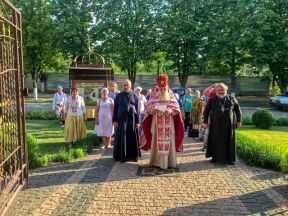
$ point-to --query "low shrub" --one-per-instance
(33, 151)
(78, 150)
(257, 153)
(278, 121)
(63, 156)
(281, 121)
(79, 153)
(88, 143)
(263, 119)
(44, 160)
(41, 115)
(247, 120)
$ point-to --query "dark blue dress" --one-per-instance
(126, 144)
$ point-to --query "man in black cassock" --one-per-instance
(221, 139)
(126, 120)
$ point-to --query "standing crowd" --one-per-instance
(156, 121)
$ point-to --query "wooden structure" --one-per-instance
(13, 147)
(90, 73)
(88, 70)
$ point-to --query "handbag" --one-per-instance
(193, 132)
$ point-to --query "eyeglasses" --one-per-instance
(126, 84)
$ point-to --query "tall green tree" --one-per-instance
(269, 38)
(184, 26)
(74, 19)
(226, 37)
(40, 53)
(127, 32)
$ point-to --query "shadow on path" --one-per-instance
(256, 203)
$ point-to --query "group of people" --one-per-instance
(155, 122)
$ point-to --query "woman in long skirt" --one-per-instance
(75, 113)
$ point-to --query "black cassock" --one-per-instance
(126, 144)
(221, 138)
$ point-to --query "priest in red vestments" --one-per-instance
(162, 128)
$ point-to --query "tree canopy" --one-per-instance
(194, 36)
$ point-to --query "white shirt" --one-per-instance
(141, 101)
(59, 99)
(75, 107)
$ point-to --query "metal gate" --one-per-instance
(13, 151)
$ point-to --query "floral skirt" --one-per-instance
(75, 128)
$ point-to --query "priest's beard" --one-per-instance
(163, 96)
(221, 96)
(127, 91)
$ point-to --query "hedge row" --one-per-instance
(41, 115)
(258, 153)
(279, 121)
(78, 150)
(50, 115)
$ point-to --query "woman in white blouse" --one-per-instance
(104, 113)
(75, 114)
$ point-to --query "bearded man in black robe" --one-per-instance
(126, 120)
(222, 109)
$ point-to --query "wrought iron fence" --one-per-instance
(13, 152)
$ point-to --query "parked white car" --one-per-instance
(280, 102)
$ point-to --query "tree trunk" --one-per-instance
(42, 87)
(43, 78)
(35, 90)
(273, 85)
(182, 75)
(132, 72)
(182, 70)
(278, 70)
(158, 67)
(233, 70)
(34, 76)
(282, 85)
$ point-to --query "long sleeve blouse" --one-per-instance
(75, 107)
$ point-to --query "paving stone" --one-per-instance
(100, 186)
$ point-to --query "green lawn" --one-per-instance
(264, 148)
(277, 136)
(49, 135)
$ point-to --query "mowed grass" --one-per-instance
(264, 148)
(276, 137)
(49, 135)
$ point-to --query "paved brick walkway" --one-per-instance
(100, 186)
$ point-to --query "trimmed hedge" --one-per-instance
(263, 119)
(33, 151)
(41, 115)
(278, 121)
(65, 155)
(258, 153)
